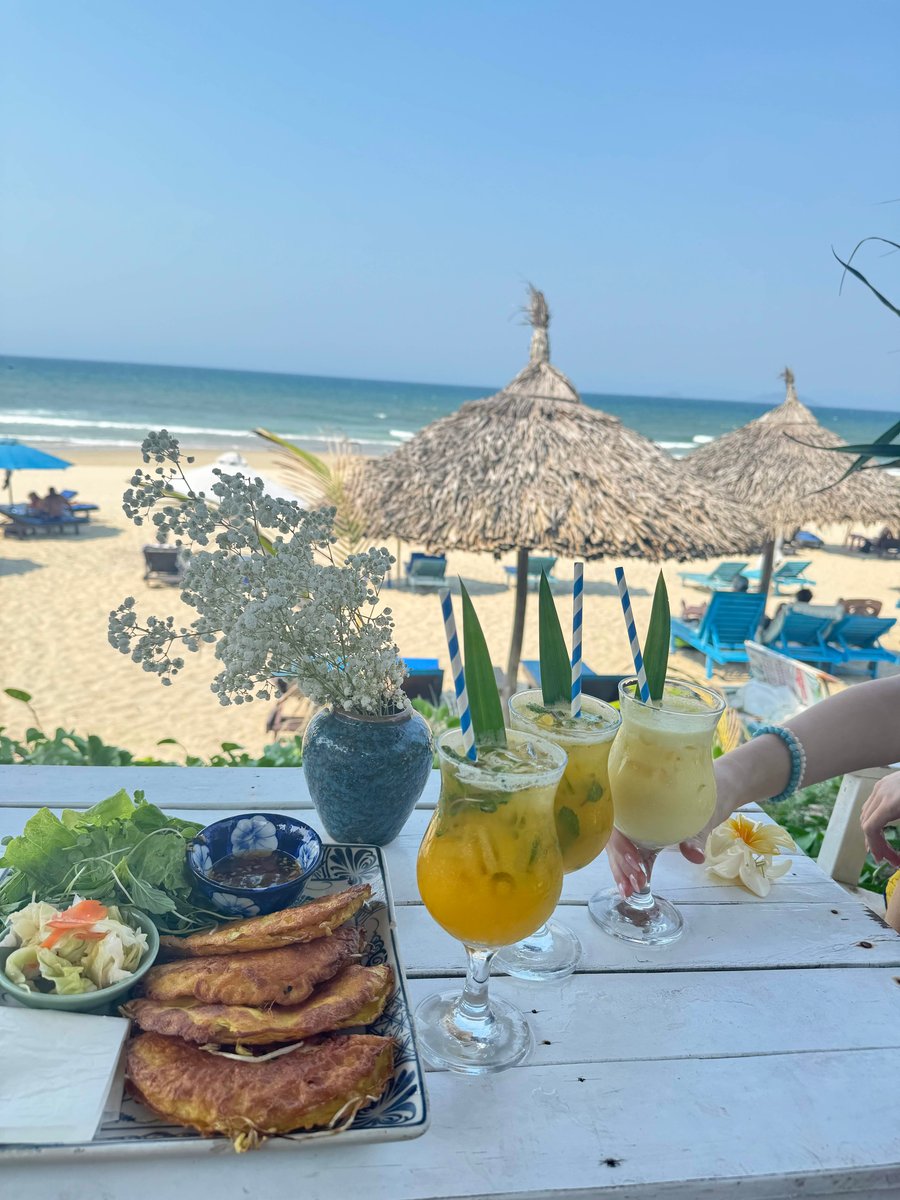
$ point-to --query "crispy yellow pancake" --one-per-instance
(304, 923)
(308, 1087)
(283, 976)
(355, 996)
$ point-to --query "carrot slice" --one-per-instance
(78, 919)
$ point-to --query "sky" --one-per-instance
(364, 190)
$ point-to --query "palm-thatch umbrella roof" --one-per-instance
(772, 465)
(534, 468)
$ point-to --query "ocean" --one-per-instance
(115, 404)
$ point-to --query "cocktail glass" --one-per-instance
(664, 791)
(489, 873)
(583, 811)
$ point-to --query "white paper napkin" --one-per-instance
(56, 1074)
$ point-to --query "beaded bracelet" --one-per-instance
(798, 758)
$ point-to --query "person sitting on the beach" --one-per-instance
(54, 504)
(803, 596)
(35, 504)
(855, 729)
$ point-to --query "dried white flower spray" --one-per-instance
(261, 575)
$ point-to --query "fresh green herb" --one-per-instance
(484, 696)
(656, 647)
(568, 827)
(120, 851)
(535, 850)
(556, 669)
(595, 793)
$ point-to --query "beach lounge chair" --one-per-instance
(536, 564)
(425, 680)
(802, 539)
(22, 523)
(601, 687)
(163, 564)
(800, 631)
(858, 639)
(425, 570)
(789, 574)
(731, 619)
(719, 579)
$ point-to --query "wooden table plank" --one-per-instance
(700, 1013)
(749, 937)
(756, 1128)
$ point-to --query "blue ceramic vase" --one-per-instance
(365, 774)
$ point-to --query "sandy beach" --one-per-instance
(56, 593)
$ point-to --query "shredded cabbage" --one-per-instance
(73, 965)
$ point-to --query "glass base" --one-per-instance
(653, 924)
(446, 1039)
(552, 952)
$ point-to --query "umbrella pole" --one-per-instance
(515, 646)
(765, 574)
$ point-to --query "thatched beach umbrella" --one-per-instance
(533, 468)
(771, 466)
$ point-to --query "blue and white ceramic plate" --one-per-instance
(402, 1110)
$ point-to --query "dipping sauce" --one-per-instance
(255, 869)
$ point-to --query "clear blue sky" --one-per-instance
(363, 188)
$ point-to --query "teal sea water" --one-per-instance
(113, 404)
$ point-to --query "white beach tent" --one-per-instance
(231, 462)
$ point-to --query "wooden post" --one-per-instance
(843, 850)
(515, 646)
(765, 574)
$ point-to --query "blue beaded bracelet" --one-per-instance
(798, 758)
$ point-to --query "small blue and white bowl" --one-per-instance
(252, 831)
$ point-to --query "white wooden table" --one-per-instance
(758, 1056)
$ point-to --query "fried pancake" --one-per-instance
(284, 976)
(316, 919)
(355, 996)
(309, 1087)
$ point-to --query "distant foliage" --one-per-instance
(65, 748)
(805, 816)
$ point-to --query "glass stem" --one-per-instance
(643, 900)
(472, 1013)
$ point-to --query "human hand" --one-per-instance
(882, 808)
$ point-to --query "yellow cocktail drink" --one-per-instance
(661, 766)
(489, 867)
(583, 807)
(664, 791)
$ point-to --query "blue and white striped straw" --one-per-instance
(577, 601)
(643, 687)
(459, 679)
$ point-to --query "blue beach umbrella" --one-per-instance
(16, 456)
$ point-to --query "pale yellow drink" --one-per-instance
(583, 807)
(661, 765)
(489, 867)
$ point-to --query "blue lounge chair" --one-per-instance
(601, 687)
(719, 579)
(789, 574)
(858, 639)
(731, 619)
(803, 635)
(425, 680)
(536, 564)
(425, 570)
(22, 523)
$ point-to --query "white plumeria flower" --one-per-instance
(742, 850)
(253, 833)
(234, 906)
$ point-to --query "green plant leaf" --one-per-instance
(556, 668)
(656, 646)
(17, 694)
(484, 696)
